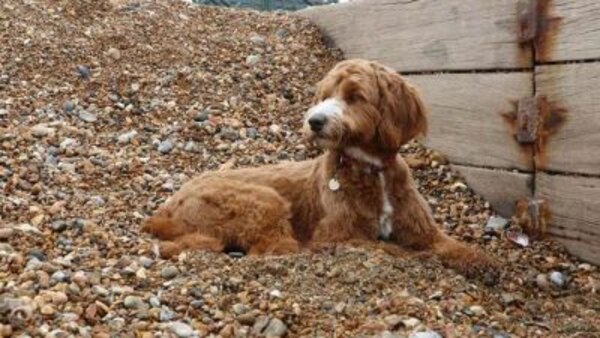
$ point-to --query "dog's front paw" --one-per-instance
(476, 264)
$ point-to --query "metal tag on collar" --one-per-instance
(333, 184)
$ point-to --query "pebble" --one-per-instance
(133, 302)
(114, 53)
(202, 116)
(411, 323)
(88, 117)
(252, 59)
(425, 334)
(126, 137)
(239, 309)
(477, 310)
(542, 281)
(6, 233)
(276, 328)
(191, 147)
(68, 106)
(42, 130)
(58, 226)
(6, 248)
(251, 133)
(166, 314)
(146, 262)
(182, 330)
(558, 279)
(59, 276)
(154, 301)
(258, 39)
(47, 310)
(165, 147)
(260, 324)
(275, 294)
(169, 272)
(67, 143)
(84, 72)
(497, 223)
(100, 290)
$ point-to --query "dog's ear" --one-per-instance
(403, 114)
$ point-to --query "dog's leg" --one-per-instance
(415, 228)
(278, 246)
(194, 241)
(163, 227)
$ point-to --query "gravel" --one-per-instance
(77, 179)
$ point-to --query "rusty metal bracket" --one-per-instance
(528, 120)
(529, 23)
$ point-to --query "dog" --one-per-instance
(359, 190)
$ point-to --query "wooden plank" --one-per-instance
(427, 34)
(500, 188)
(574, 87)
(576, 33)
(466, 122)
(575, 206)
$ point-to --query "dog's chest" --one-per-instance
(387, 210)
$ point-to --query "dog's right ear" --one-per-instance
(403, 114)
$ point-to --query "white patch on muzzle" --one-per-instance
(329, 108)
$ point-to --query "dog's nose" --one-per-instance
(317, 122)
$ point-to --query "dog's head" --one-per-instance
(366, 105)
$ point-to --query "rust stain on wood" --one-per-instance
(538, 28)
(533, 121)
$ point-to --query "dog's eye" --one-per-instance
(353, 97)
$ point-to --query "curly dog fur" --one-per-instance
(360, 189)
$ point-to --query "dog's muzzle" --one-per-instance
(319, 115)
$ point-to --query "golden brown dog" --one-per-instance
(360, 189)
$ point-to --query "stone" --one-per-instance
(477, 310)
(126, 137)
(169, 272)
(68, 106)
(165, 147)
(260, 324)
(253, 59)
(258, 39)
(84, 72)
(202, 116)
(411, 323)
(166, 314)
(88, 117)
(42, 130)
(114, 53)
(58, 226)
(558, 279)
(154, 301)
(239, 309)
(497, 223)
(6, 248)
(59, 276)
(133, 302)
(181, 329)
(425, 334)
(276, 328)
(6, 233)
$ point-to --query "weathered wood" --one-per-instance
(427, 34)
(466, 121)
(575, 88)
(575, 207)
(500, 188)
(573, 31)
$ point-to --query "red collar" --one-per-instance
(351, 162)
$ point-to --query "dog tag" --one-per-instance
(334, 185)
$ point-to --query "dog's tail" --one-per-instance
(163, 227)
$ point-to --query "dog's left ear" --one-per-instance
(403, 113)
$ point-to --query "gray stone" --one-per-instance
(497, 223)
(126, 137)
(260, 324)
(68, 106)
(154, 301)
(202, 116)
(169, 272)
(191, 147)
(6, 248)
(146, 262)
(239, 309)
(84, 72)
(165, 147)
(253, 59)
(86, 116)
(182, 330)
(259, 40)
(558, 279)
(251, 133)
(276, 328)
(59, 276)
(133, 302)
(166, 314)
(41, 130)
(425, 334)
(58, 226)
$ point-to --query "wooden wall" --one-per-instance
(473, 61)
